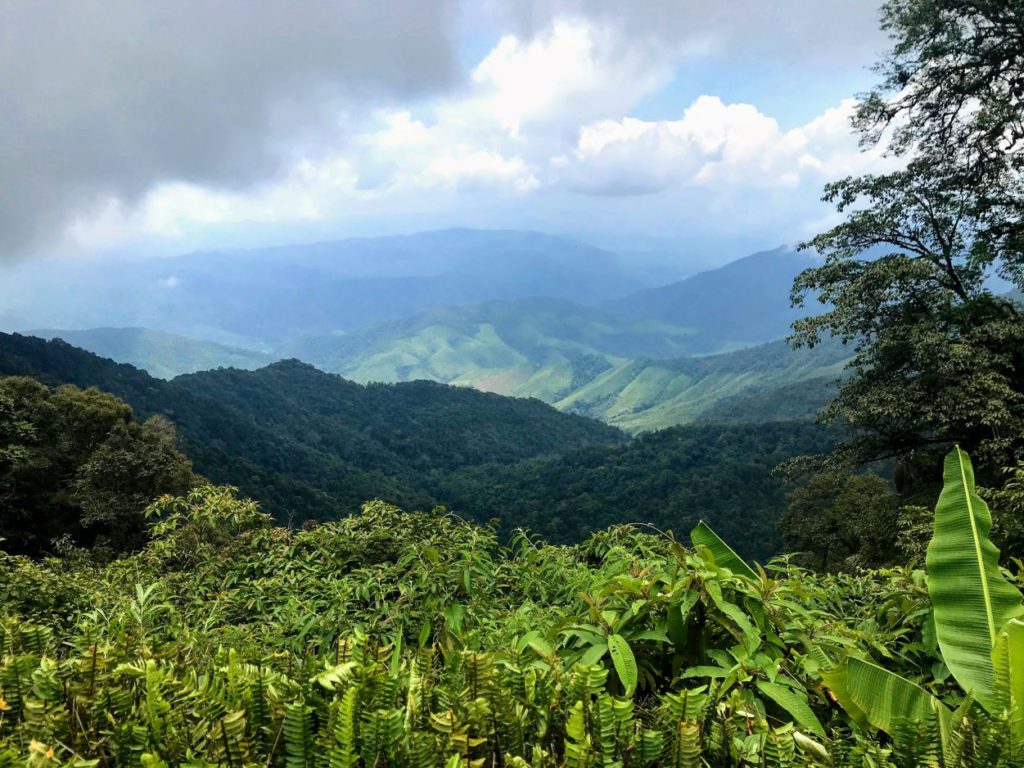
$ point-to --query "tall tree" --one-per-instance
(842, 521)
(908, 276)
(75, 464)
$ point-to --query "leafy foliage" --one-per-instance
(76, 466)
(907, 278)
(415, 640)
(976, 616)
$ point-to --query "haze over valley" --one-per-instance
(516, 313)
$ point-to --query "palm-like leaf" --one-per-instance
(886, 699)
(970, 597)
(703, 536)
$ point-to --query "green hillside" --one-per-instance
(744, 302)
(762, 383)
(636, 374)
(160, 354)
(309, 444)
(533, 347)
(631, 363)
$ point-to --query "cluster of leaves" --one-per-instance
(978, 620)
(76, 466)
(908, 275)
(394, 639)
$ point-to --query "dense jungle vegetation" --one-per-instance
(413, 639)
(199, 631)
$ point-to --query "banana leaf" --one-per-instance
(885, 698)
(703, 536)
(971, 599)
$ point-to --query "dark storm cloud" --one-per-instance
(827, 34)
(104, 98)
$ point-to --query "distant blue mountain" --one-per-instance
(259, 298)
(746, 301)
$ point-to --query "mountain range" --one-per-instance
(311, 445)
(640, 359)
(261, 298)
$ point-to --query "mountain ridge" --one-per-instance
(161, 354)
(310, 444)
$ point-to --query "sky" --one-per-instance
(175, 125)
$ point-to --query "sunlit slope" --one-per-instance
(537, 347)
(164, 355)
(641, 395)
(579, 359)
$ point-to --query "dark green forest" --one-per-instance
(309, 445)
(670, 479)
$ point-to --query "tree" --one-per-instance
(907, 278)
(131, 467)
(75, 464)
(839, 521)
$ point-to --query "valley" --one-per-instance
(514, 319)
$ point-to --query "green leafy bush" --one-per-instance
(414, 639)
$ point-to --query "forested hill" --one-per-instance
(672, 479)
(310, 444)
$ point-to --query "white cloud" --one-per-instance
(481, 169)
(540, 116)
(574, 70)
(712, 145)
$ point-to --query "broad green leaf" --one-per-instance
(703, 536)
(1008, 666)
(594, 654)
(886, 698)
(624, 661)
(970, 598)
(704, 671)
(794, 703)
(653, 635)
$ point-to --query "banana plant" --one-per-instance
(971, 599)
(721, 553)
(978, 623)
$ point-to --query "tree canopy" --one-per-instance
(910, 277)
(77, 468)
